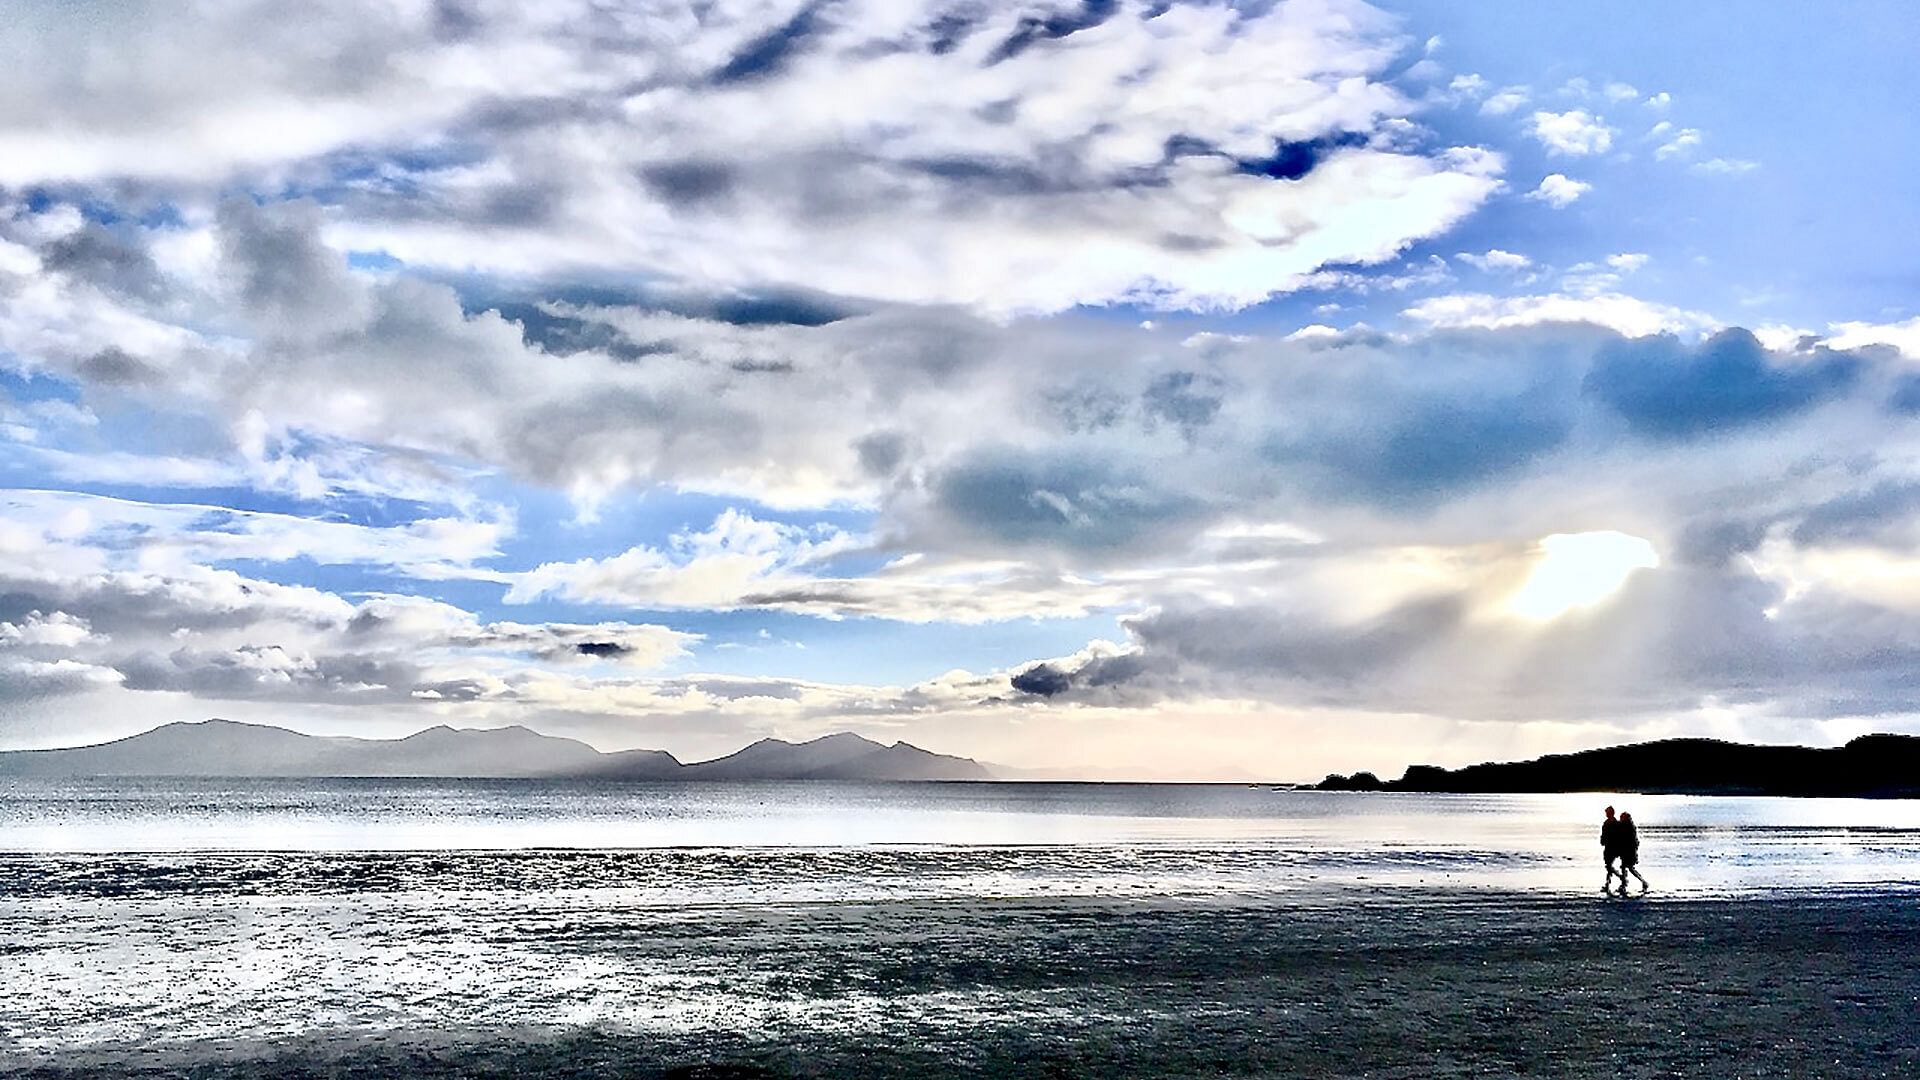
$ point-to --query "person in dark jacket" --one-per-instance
(1610, 850)
(1629, 839)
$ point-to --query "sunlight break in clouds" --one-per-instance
(1580, 570)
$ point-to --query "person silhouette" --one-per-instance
(1629, 837)
(1610, 850)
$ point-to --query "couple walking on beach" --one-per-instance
(1620, 840)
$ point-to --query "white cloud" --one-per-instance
(1495, 260)
(978, 162)
(1904, 336)
(1725, 166)
(1659, 102)
(1624, 314)
(1505, 100)
(1576, 132)
(59, 630)
(1619, 91)
(1628, 262)
(1559, 191)
(1683, 142)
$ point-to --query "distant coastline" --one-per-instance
(227, 748)
(1871, 766)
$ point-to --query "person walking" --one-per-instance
(1629, 838)
(1610, 850)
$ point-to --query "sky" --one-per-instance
(1184, 390)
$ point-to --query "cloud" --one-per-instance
(1680, 144)
(1725, 166)
(177, 535)
(1664, 388)
(1505, 100)
(222, 647)
(1495, 260)
(1559, 191)
(1669, 640)
(1575, 133)
(1627, 315)
(1019, 158)
(1904, 336)
(1377, 490)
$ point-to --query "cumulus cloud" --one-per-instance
(1495, 259)
(1575, 133)
(1904, 336)
(1559, 191)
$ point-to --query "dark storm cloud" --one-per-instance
(1668, 389)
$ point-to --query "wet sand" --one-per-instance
(1409, 983)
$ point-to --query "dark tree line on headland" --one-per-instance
(1872, 766)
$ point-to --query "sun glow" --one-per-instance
(1580, 570)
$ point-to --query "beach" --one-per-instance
(545, 929)
(1397, 983)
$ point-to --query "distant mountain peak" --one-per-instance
(219, 747)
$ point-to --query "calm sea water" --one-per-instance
(143, 915)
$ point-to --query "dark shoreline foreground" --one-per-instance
(1403, 983)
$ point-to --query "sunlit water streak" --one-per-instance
(143, 914)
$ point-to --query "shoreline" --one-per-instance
(1402, 983)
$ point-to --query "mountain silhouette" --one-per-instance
(234, 749)
(836, 757)
(1872, 766)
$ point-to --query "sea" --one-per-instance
(212, 918)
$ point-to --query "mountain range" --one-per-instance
(1872, 766)
(229, 748)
